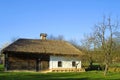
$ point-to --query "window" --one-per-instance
(59, 64)
(73, 63)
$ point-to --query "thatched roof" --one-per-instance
(38, 46)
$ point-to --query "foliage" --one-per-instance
(95, 67)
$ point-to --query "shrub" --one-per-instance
(94, 67)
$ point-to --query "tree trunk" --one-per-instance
(106, 69)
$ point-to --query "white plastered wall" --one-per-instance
(66, 62)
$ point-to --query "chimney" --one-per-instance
(43, 36)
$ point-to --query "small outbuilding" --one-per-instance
(42, 55)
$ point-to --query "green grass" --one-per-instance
(1, 67)
(58, 76)
(93, 75)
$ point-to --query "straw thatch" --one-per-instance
(38, 46)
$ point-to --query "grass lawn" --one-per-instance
(92, 75)
(1, 67)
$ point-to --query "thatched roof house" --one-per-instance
(37, 54)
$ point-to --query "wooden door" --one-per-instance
(44, 65)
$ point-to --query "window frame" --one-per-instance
(73, 63)
(59, 63)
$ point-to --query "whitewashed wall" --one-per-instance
(66, 62)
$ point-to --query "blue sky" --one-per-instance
(70, 18)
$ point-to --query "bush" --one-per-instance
(95, 67)
(114, 69)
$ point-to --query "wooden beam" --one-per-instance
(6, 62)
(37, 65)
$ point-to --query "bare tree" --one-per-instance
(14, 39)
(87, 46)
(59, 37)
(101, 41)
(116, 55)
(103, 36)
(2, 55)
